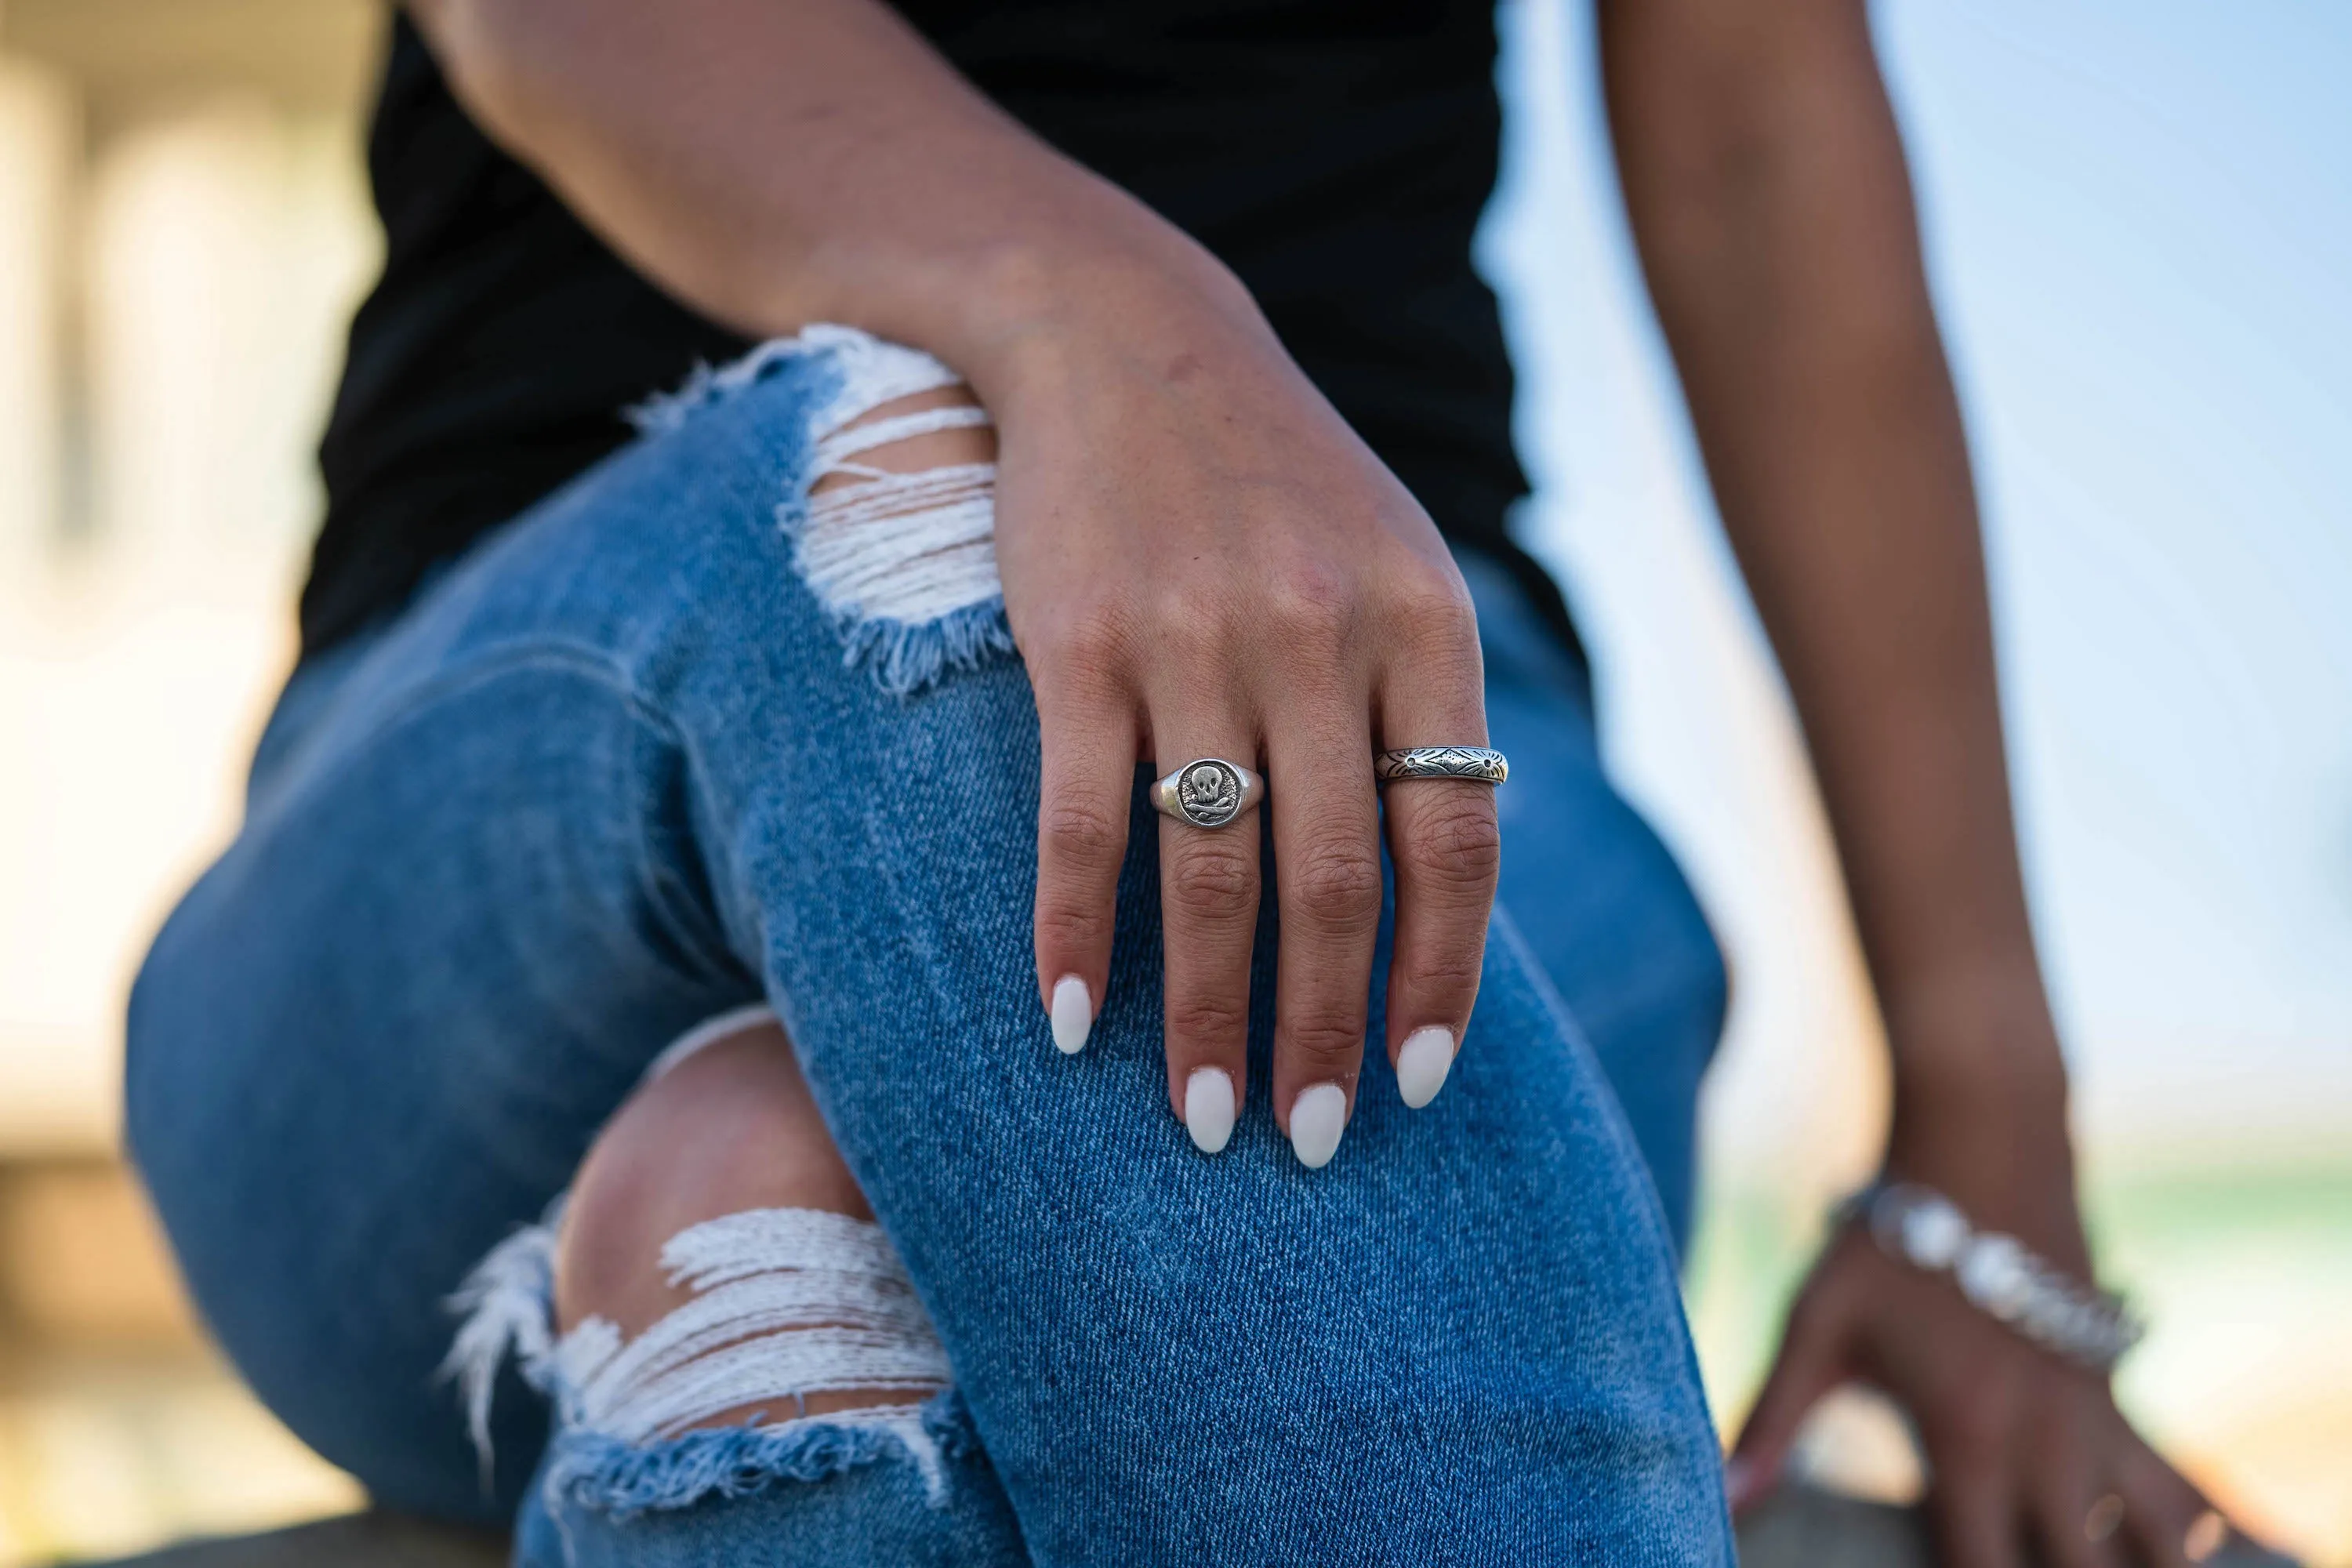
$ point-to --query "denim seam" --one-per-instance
(1662, 1252)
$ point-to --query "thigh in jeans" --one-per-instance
(640, 760)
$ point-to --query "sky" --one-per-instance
(2139, 219)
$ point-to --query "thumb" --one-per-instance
(1811, 1363)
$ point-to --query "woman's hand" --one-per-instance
(1198, 556)
(1200, 559)
(2023, 1450)
(2029, 1460)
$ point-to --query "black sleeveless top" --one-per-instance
(1335, 153)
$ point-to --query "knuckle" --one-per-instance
(1431, 609)
(1194, 623)
(1338, 884)
(1067, 929)
(1207, 1015)
(1455, 837)
(1212, 881)
(1325, 1043)
(1093, 637)
(1075, 831)
(1449, 969)
(1312, 602)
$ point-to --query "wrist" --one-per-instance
(1981, 1106)
(1073, 262)
(1033, 306)
(1980, 1034)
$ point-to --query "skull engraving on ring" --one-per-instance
(1210, 793)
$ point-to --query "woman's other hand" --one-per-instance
(2024, 1451)
(2029, 1461)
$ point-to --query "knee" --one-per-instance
(729, 1129)
(892, 521)
(716, 1262)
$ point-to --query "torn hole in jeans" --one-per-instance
(787, 1303)
(903, 560)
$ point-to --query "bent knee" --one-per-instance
(716, 1262)
(716, 1306)
(728, 1129)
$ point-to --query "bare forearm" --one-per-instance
(1775, 220)
(777, 165)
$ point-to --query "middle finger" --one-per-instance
(1209, 879)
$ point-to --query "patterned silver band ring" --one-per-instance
(1208, 792)
(1474, 762)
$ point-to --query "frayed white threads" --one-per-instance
(508, 1305)
(872, 372)
(791, 1302)
(904, 562)
(910, 548)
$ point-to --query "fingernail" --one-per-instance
(1074, 1015)
(1209, 1109)
(1317, 1117)
(1422, 1062)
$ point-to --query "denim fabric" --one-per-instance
(612, 774)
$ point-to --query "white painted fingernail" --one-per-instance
(1209, 1108)
(1317, 1117)
(1422, 1062)
(1074, 1015)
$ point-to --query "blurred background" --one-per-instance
(2140, 220)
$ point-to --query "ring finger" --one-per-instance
(1327, 852)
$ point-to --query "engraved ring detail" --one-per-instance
(1477, 763)
(1208, 792)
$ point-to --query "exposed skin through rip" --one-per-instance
(936, 449)
(732, 1128)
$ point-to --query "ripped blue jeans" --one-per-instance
(665, 747)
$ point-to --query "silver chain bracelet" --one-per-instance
(1996, 1273)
